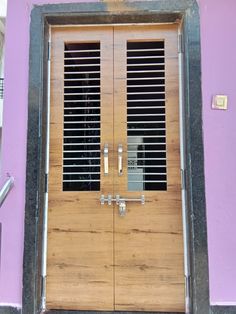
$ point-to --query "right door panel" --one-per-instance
(148, 240)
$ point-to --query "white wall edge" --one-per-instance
(233, 303)
(15, 305)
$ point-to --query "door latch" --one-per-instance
(122, 208)
(121, 202)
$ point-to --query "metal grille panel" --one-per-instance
(81, 152)
(146, 124)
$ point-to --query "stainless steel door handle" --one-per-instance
(106, 160)
(120, 160)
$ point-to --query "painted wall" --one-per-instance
(218, 26)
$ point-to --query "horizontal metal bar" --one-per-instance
(84, 129)
(82, 158)
(79, 101)
(151, 129)
(119, 199)
(144, 144)
(8, 185)
(146, 151)
(82, 115)
(83, 136)
(78, 94)
(137, 158)
(81, 108)
(144, 64)
(80, 166)
(146, 173)
(142, 115)
(72, 86)
(145, 71)
(146, 136)
(79, 50)
(81, 79)
(81, 181)
(144, 93)
(81, 151)
(146, 78)
(85, 72)
(146, 166)
(147, 122)
(145, 57)
(84, 173)
(140, 50)
(146, 100)
(81, 144)
(81, 65)
(82, 58)
(148, 107)
(154, 85)
(79, 122)
(148, 181)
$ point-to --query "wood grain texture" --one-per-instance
(80, 230)
(149, 270)
(98, 260)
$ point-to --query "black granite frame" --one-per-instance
(160, 11)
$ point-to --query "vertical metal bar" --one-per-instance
(45, 211)
(120, 161)
(106, 159)
(8, 185)
(183, 172)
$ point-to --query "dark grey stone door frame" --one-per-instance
(158, 11)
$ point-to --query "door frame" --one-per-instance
(97, 13)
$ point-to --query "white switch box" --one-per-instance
(220, 102)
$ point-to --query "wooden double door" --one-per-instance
(115, 240)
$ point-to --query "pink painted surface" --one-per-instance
(14, 146)
(218, 26)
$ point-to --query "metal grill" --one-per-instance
(146, 125)
(1, 87)
(81, 153)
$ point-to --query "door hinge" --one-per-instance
(180, 43)
(187, 294)
(49, 51)
(183, 179)
(46, 182)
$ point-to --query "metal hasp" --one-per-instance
(106, 163)
(121, 202)
(6, 189)
(120, 161)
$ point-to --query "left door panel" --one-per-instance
(80, 230)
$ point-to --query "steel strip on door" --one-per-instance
(80, 230)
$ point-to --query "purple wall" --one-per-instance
(218, 26)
